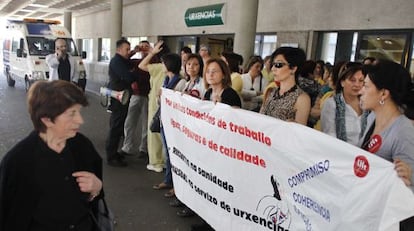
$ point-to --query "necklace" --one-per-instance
(216, 97)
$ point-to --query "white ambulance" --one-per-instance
(26, 44)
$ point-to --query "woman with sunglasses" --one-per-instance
(288, 101)
(389, 93)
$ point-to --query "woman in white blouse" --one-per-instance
(342, 116)
(253, 84)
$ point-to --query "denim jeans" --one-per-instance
(168, 175)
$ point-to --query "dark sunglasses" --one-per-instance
(279, 64)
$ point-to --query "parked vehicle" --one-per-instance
(26, 44)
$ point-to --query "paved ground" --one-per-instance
(128, 190)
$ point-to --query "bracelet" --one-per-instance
(93, 196)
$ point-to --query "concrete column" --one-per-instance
(67, 21)
(311, 46)
(344, 46)
(116, 23)
(79, 45)
(99, 48)
(245, 30)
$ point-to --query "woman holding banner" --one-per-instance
(218, 82)
(389, 93)
(288, 101)
(195, 87)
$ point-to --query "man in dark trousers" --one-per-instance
(120, 79)
(136, 122)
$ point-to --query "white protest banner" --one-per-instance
(240, 170)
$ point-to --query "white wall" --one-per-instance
(326, 15)
(93, 26)
(294, 21)
(160, 17)
(166, 17)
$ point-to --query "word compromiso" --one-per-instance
(307, 174)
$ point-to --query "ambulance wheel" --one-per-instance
(27, 84)
(10, 81)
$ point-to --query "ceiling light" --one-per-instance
(38, 5)
(28, 11)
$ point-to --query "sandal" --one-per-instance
(170, 193)
(161, 186)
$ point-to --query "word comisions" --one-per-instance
(304, 218)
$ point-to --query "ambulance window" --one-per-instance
(6, 44)
(15, 44)
(40, 45)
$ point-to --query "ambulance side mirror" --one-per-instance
(19, 53)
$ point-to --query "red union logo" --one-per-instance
(374, 144)
(361, 166)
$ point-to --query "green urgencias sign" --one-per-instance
(204, 15)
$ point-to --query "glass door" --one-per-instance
(384, 45)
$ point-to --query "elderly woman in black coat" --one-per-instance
(52, 178)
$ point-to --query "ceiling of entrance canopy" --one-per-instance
(53, 9)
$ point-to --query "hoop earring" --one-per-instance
(381, 102)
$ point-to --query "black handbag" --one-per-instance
(155, 125)
(103, 218)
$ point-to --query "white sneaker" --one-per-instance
(154, 168)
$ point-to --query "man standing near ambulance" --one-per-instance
(62, 65)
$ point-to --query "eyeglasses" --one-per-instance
(279, 64)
